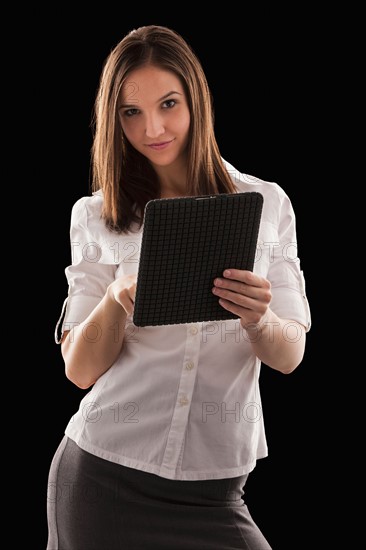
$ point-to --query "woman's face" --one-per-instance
(154, 115)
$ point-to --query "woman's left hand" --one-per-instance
(245, 294)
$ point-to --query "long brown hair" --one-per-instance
(125, 176)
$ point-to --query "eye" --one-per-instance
(169, 103)
(130, 112)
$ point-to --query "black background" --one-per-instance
(266, 80)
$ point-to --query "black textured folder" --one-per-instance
(186, 243)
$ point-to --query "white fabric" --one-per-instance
(181, 401)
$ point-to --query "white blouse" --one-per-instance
(180, 401)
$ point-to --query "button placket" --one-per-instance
(184, 399)
(189, 361)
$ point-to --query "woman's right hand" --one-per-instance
(123, 292)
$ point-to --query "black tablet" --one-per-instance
(186, 243)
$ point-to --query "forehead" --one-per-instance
(149, 82)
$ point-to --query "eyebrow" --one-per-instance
(129, 105)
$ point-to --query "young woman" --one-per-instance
(158, 453)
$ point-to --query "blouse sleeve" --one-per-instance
(289, 300)
(90, 272)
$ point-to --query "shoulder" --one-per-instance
(87, 210)
(275, 199)
(246, 182)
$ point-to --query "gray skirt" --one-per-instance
(95, 504)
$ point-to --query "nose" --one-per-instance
(154, 126)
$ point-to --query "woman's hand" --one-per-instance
(245, 294)
(123, 291)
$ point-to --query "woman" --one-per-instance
(159, 451)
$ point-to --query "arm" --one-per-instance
(279, 343)
(90, 348)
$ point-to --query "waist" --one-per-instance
(135, 485)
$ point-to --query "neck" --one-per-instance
(173, 180)
(173, 189)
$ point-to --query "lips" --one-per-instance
(160, 145)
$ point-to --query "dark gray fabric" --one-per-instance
(95, 504)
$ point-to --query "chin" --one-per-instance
(161, 162)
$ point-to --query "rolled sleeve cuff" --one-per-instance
(74, 311)
(292, 304)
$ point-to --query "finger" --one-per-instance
(239, 299)
(126, 301)
(129, 307)
(245, 276)
(233, 308)
(240, 288)
(132, 292)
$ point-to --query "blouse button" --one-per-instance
(193, 330)
(189, 365)
(183, 401)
